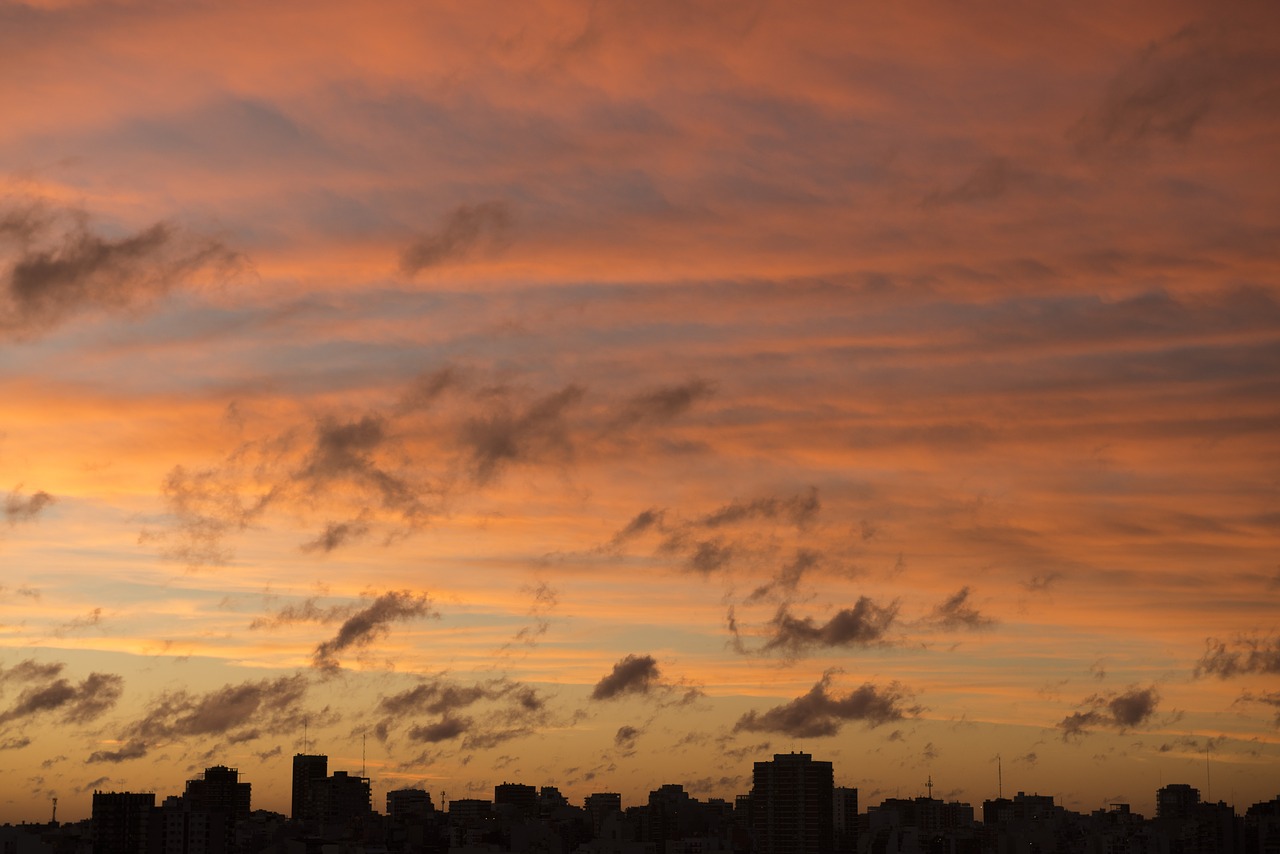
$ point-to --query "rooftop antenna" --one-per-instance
(304, 735)
(999, 776)
(54, 819)
(929, 786)
(363, 742)
(1208, 783)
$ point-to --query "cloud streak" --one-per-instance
(865, 624)
(1244, 656)
(821, 713)
(465, 230)
(372, 623)
(58, 268)
(1119, 711)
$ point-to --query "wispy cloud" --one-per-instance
(1242, 656)
(1119, 711)
(821, 713)
(371, 623)
(58, 267)
(464, 230)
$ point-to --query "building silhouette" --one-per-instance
(409, 804)
(792, 805)
(307, 769)
(219, 790)
(123, 822)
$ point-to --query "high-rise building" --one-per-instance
(409, 804)
(845, 818)
(600, 805)
(307, 769)
(1176, 800)
(219, 790)
(516, 799)
(344, 800)
(792, 805)
(123, 822)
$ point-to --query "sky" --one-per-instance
(604, 395)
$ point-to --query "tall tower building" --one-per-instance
(123, 822)
(309, 772)
(1176, 800)
(221, 791)
(792, 805)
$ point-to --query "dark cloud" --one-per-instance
(707, 556)
(727, 536)
(1176, 83)
(789, 576)
(538, 432)
(343, 451)
(819, 713)
(989, 181)
(497, 711)
(955, 612)
(799, 510)
(1115, 711)
(440, 697)
(427, 388)
(545, 599)
(634, 674)
(77, 703)
(665, 403)
(371, 623)
(336, 534)
(626, 736)
(642, 522)
(20, 509)
(1245, 655)
(134, 749)
(1271, 699)
(305, 612)
(866, 623)
(206, 506)
(266, 705)
(392, 469)
(465, 229)
(30, 670)
(442, 730)
(1044, 581)
(94, 696)
(15, 743)
(93, 785)
(89, 620)
(58, 267)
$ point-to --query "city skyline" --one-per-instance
(306, 769)
(600, 391)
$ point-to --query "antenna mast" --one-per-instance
(999, 777)
(1208, 782)
(54, 819)
(929, 786)
(363, 742)
(304, 735)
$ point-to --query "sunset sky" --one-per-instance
(610, 394)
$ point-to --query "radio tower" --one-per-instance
(54, 819)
